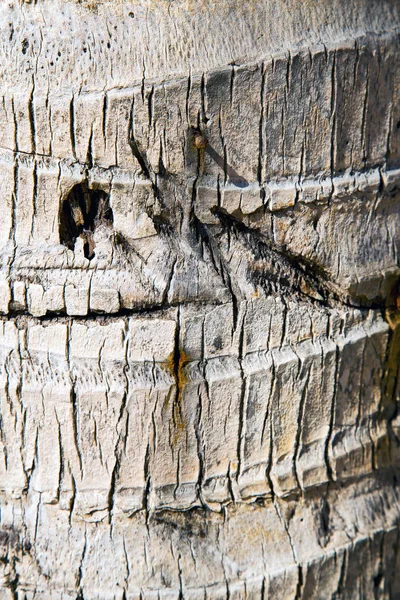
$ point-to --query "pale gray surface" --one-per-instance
(208, 406)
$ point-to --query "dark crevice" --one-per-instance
(284, 269)
(83, 211)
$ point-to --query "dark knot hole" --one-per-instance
(82, 212)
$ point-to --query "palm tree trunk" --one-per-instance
(199, 290)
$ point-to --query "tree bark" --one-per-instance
(199, 290)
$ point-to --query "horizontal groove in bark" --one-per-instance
(199, 410)
(294, 203)
(276, 194)
(109, 380)
(353, 524)
(56, 280)
(320, 131)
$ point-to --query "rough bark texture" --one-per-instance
(199, 267)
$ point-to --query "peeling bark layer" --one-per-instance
(200, 331)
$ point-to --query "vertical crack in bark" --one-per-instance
(328, 443)
(333, 114)
(243, 393)
(300, 417)
(303, 99)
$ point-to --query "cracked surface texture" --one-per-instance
(199, 340)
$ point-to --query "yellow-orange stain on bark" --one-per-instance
(176, 366)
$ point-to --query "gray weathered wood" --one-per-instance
(199, 298)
